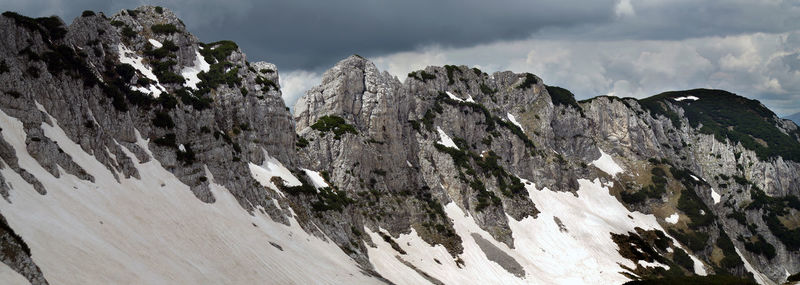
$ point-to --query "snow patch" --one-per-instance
(129, 57)
(606, 164)
(715, 196)
(454, 97)
(155, 43)
(540, 246)
(694, 177)
(445, 140)
(690, 98)
(182, 148)
(271, 167)
(11, 277)
(191, 72)
(760, 277)
(672, 219)
(653, 264)
(316, 179)
(513, 120)
(699, 268)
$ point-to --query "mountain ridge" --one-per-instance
(440, 172)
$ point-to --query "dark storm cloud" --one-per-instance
(312, 34)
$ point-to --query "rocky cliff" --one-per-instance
(111, 125)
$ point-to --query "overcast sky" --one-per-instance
(626, 48)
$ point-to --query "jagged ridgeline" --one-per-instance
(132, 152)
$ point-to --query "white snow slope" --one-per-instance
(444, 139)
(137, 231)
(606, 164)
(582, 254)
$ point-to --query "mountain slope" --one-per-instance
(795, 118)
(128, 142)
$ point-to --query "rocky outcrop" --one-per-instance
(376, 154)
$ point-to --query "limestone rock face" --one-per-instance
(377, 160)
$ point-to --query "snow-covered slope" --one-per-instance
(153, 230)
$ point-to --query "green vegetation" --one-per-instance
(331, 200)
(127, 32)
(167, 48)
(530, 80)
(159, 9)
(267, 84)
(451, 70)
(217, 75)
(487, 90)
(680, 257)
(760, 246)
(421, 76)
(164, 29)
(163, 71)
(773, 208)
(187, 157)
(117, 24)
(163, 120)
(217, 51)
(794, 277)
(692, 206)
(167, 140)
(48, 27)
(199, 102)
(301, 142)
(731, 259)
(652, 191)
(334, 124)
(729, 116)
(694, 240)
(563, 97)
(87, 13)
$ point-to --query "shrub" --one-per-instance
(165, 76)
(301, 142)
(680, 257)
(691, 205)
(267, 84)
(530, 80)
(563, 97)
(421, 76)
(696, 241)
(87, 13)
(220, 52)
(451, 69)
(167, 140)
(487, 90)
(760, 246)
(187, 157)
(159, 10)
(165, 29)
(731, 259)
(333, 124)
(128, 32)
(48, 27)
(217, 75)
(163, 120)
